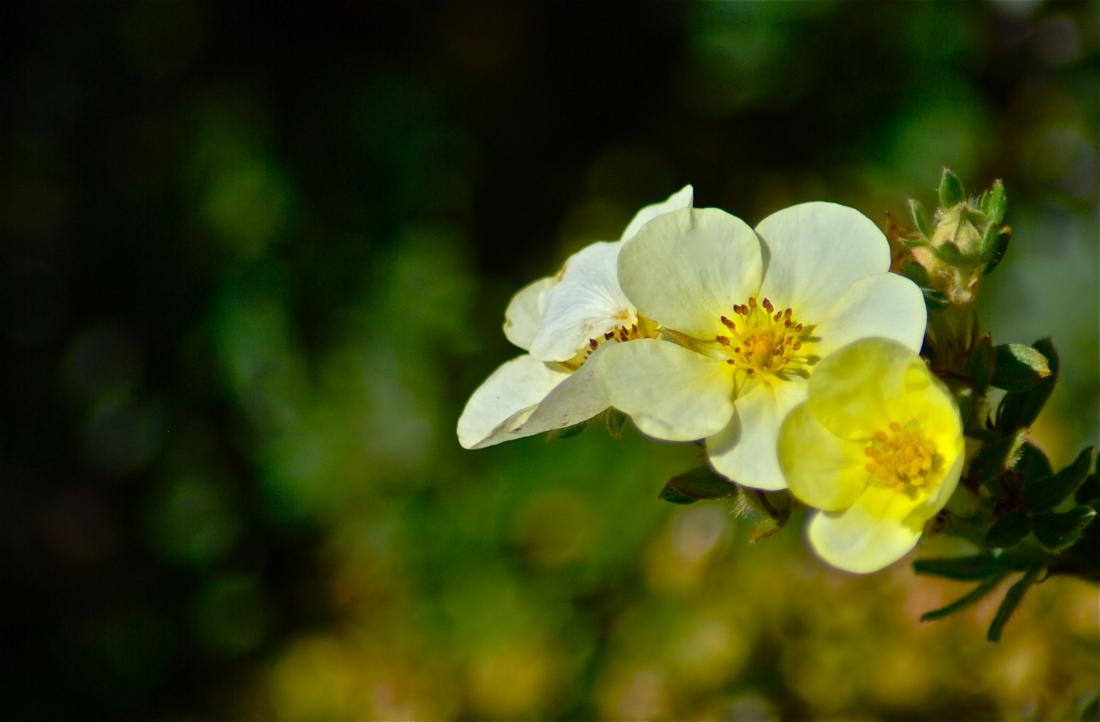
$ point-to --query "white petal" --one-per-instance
(746, 449)
(687, 268)
(815, 251)
(670, 392)
(885, 305)
(680, 199)
(576, 399)
(524, 314)
(858, 541)
(584, 305)
(504, 401)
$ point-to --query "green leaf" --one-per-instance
(1009, 530)
(949, 253)
(765, 528)
(974, 595)
(981, 363)
(1059, 530)
(951, 189)
(1091, 711)
(615, 420)
(697, 484)
(1019, 367)
(995, 202)
(997, 252)
(1043, 493)
(935, 299)
(1019, 409)
(920, 217)
(568, 432)
(978, 566)
(1031, 462)
(1089, 491)
(915, 273)
(1012, 600)
(994, 457)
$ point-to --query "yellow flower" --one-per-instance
(877, 447)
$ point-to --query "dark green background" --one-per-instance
(255, 258)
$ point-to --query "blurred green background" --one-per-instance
(255, 259)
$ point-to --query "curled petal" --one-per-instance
(524, 314)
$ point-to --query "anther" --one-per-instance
(768, 306)
(724, 340)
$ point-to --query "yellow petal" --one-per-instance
(822, 470)
(852, 389)
(857, 540)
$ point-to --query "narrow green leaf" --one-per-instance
(994, 457)
(1019, 367)
(1091, 711)
(1089, 491)
(989, 239)
(974, 595)
(915, 273)
(978, 566)
(920, 217)
(1019, 409)
(995, 202)
(1031, 463)
(997, 252)
(1009, 530)
(951, 189)
(568, 432)
(672, 496)
(1058, 530)
(1012, 600)
(1045, 493)
(615, 420)
(699, 483)
(949, 253)
(765, 528)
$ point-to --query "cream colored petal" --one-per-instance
(815, 251)
(576, 399)
(853, 389)
(822, 470)
(670, 392)
(680, 199)
(687, 268)
(746, 449)
(505, 400)
(857, 540)
(885, 305)
(586, 304)
(524, 314)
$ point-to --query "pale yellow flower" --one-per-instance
(746, 317)
(877, 447)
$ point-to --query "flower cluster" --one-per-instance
(789, 350)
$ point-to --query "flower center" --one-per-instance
(901, 456)
(762, 339)
(633, 327)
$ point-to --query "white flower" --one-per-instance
(745, 318)
(564, 321)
